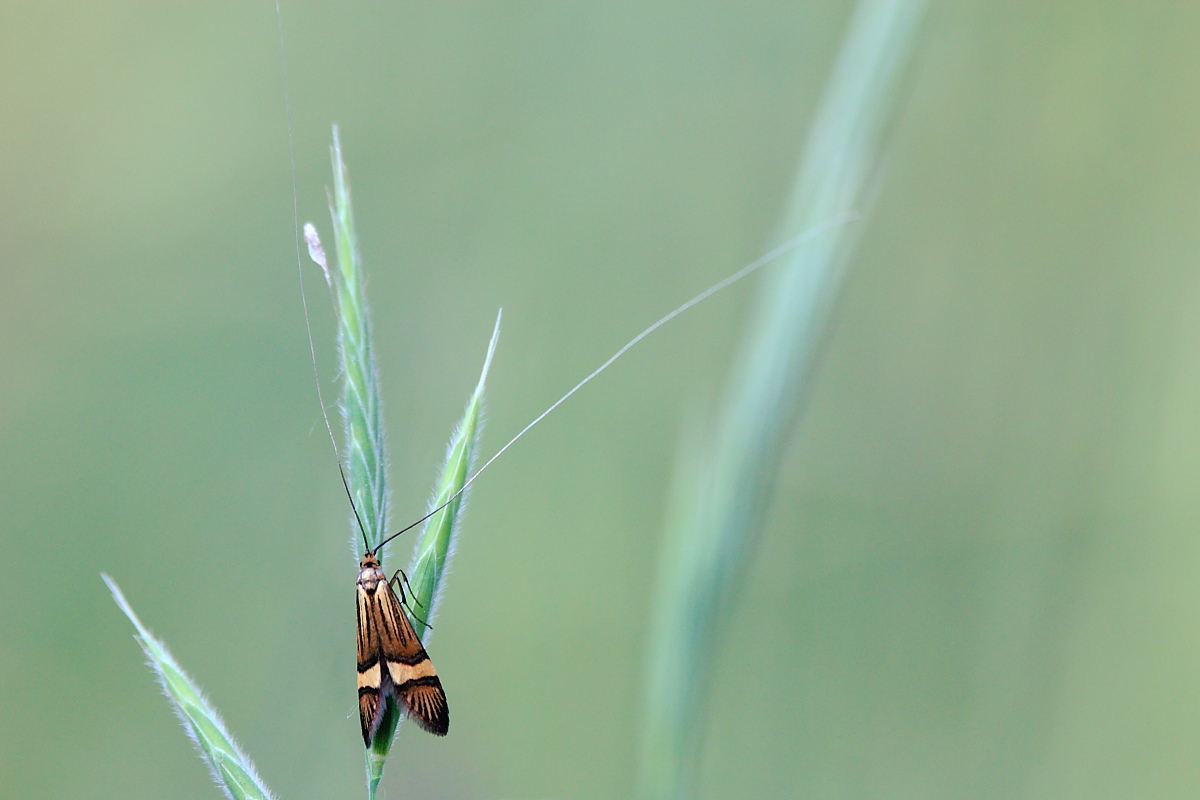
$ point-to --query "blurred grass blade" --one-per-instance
(365, 456)
(436, 545)
(230, 767)
(721, 489)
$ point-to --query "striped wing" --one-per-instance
(392, 662)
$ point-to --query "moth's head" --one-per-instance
(369, 561)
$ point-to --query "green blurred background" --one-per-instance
(979, 574)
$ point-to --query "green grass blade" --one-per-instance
(436, 546)
(230, 767)
(437, 539)
(365, 455)
(721, 489)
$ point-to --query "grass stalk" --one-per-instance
(365, 472)
(366, 460)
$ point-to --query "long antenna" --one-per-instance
(312, 350)
(753, 266)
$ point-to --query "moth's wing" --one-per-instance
(412, 678)
(370, 670)
(370, 714)
(425, 702)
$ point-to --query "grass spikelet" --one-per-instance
(364, 450)
(432, 556)
(365, 454)
(229, 766)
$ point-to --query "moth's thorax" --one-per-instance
(370, 574)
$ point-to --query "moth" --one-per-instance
(392, 663)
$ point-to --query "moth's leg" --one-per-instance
(418, 619)
(400, 574)
(404, 598)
